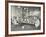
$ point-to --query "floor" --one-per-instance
(23, 27)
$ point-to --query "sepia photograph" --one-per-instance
(25, 18)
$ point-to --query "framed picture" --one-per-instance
(24, 18)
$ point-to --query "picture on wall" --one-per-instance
(25, 18)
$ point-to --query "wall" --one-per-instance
(16, 11)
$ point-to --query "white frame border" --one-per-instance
(23, 32)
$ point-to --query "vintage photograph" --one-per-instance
(25, 18)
